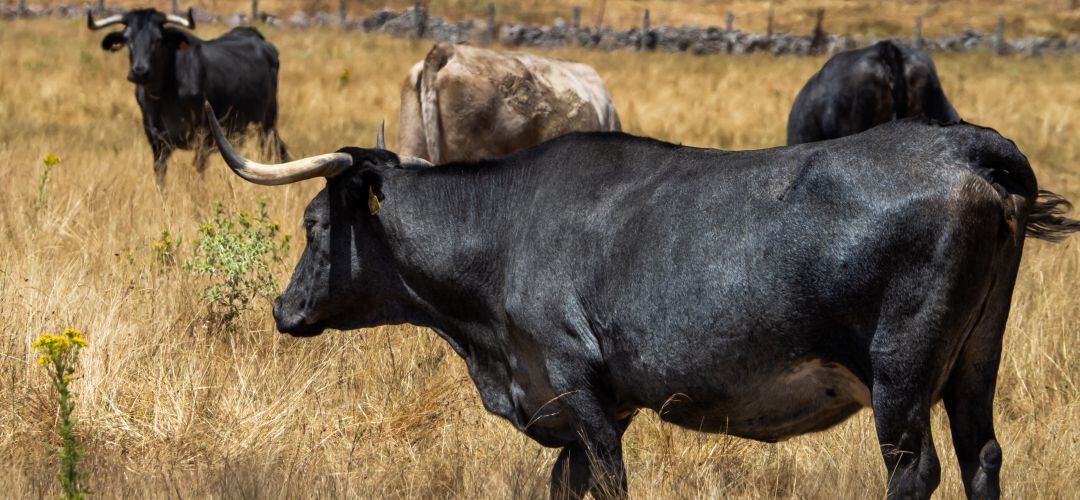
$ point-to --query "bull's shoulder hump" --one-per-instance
(243, 32)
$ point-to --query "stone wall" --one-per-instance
(695, 39)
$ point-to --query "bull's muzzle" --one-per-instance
(139, 74)
(293, 323)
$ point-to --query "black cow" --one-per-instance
(174, 72)
(763, 294)
(860, 89)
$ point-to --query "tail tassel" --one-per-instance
(1047, 220)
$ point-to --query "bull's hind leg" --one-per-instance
(902, 419)
(282, 151)
(271, 145)
(969, 397)
(969, 400)
(203, 145)
(907, 356)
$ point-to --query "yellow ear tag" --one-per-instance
(373, 201)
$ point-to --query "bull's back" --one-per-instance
(241, 76)
(849, 94)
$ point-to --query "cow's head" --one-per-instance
(147, 38)
(342, 279)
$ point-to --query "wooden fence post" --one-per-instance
(729, 21)
(643, 43)
(101, 7)
(341, 11)
(999, 36)
(493, 34)
(254, 11)
(22, 8)
(421, 18)
(768, 25)
(576, 18)
(918, 33)
(818, 42)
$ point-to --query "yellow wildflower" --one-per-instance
(50, 160)
(56, 345)
(76, 337)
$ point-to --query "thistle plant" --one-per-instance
(236, 252)
(59, 356)
(50, 161)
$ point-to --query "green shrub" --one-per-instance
(236, 252)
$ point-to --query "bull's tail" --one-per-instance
(1047, 221)
(429, 100)
(998, 161)
(894, 59)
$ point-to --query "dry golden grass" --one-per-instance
(169, 408)
(1024, 17)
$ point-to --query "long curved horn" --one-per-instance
(380, 136)
(188, 23)
(326, 165)
(104, 23)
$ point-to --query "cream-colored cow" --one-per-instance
(468, 103)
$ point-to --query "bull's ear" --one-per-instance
(375, 196)
(189, 70)
(113, 41)
(362, 185)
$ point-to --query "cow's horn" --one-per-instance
(413, 161)
(326, 165)
(380, 136)
(104, 23)
(188, 23)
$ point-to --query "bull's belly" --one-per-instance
(810, 396)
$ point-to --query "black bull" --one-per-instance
(175, 71)
(764, 294)
(859, 89)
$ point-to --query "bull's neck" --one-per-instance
(449, 231)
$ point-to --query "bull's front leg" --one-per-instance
(594, 462)
(162, 150)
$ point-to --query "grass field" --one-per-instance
(1023, 17)
(171, 407)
